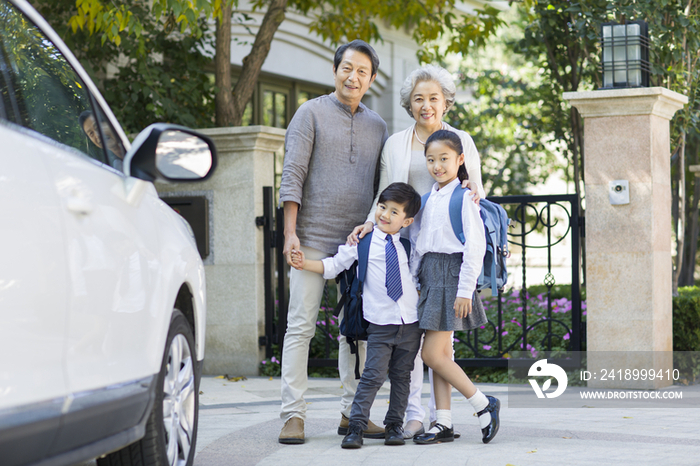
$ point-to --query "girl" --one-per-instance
(447, 271)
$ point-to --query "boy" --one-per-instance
(389, 305)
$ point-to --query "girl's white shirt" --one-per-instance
(395, 162)
(432, 232)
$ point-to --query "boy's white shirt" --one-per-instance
(432, 232)
(377, 306)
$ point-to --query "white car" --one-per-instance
(102, 292)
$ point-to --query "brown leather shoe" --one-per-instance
(373, 430)
(292, 432)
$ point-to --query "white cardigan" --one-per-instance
(396, 160)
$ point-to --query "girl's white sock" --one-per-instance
(444, 417)
(479, 402)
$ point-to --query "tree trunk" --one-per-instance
(577, 151)
(255, 59)
(687, 277)
(680, 226)
(222, 63)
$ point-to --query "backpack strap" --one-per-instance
(362, 260)
(424, 199)
(455, 209)
(363, 256)
(456, 201)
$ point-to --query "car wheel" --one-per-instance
(171, 431)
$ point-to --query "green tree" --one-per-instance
(334, 20)
(674, 30)
(562, 36)
(160, 75)
(505, 115)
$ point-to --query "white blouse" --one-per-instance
(394, 163)
(432, 232)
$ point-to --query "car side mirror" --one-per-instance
(166, 152)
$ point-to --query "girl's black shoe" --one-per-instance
(446, 434)
(490, 431)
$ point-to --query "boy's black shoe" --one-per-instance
(446, 434)
(354, 437)
(490, 431)
(394, 435)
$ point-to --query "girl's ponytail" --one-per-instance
(453, 141)
(462, 173)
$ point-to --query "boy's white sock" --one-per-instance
(479, 402)
(444, 417)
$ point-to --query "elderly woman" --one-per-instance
(427, 94)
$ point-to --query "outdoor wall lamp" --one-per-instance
(625, 54)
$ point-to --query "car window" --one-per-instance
(51, 98)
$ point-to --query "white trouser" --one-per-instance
(305, 293)
(415, 410)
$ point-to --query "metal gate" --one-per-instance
(512, 324)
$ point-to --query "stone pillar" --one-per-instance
(234, 269)
(628, 246)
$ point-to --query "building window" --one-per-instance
(274, 108)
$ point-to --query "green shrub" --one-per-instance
(686, 319)
(686, 330)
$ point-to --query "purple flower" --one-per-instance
(264, 362)
(482, 327)
(487, 347)
(318, 323)
(583, 305)
(520, 309)
(274, 359)
(566, 337)
(584, 313)
(504, 333)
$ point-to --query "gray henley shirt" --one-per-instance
(329, 169)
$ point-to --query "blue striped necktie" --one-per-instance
(393, 273)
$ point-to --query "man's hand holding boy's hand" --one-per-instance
(291, 243)
(298, 259)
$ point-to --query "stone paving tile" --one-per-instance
(237, 428)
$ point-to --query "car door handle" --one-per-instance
(79, 205)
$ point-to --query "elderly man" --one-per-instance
(331, 151)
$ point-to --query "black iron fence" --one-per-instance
(517, 321)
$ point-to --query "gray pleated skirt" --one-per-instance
(439, 279)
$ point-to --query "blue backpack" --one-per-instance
(493, 272)
(354, 326)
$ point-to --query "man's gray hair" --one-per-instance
(432, 73)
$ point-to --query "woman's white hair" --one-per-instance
(432, 73)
